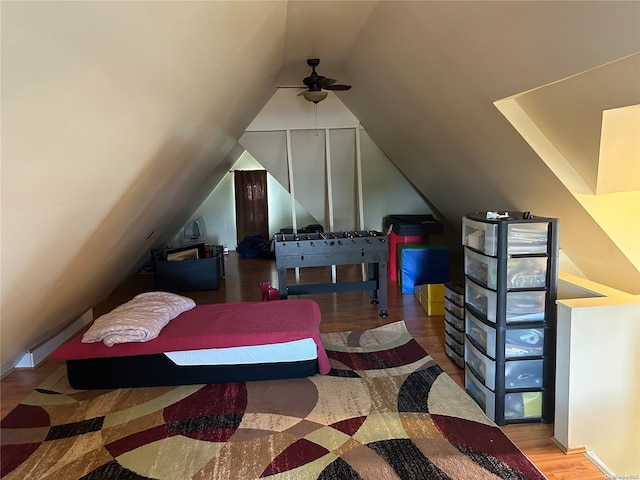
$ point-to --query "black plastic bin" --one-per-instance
(188, 275)
(413, 225)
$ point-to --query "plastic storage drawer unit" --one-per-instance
(511, 281)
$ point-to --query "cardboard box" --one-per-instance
(435, 292)
(435, 308)
(430, 297)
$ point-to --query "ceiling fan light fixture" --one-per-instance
(314, 96)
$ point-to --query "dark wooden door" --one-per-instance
(252, 210)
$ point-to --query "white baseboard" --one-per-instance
(565, 450)
(39, 353)
(598, 463)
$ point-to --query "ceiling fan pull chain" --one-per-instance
(315, 115)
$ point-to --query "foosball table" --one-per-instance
(294, 250)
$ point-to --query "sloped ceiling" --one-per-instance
(431, 73)
(593, 146)
(119, 117)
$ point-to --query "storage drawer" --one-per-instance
(483, 367)
(480, 236)
(454, 292)
(454, 332)
(481, 268)
(454, 320)
(527, 238)
(522, 238)
(454, 344)
(524, 342)
(523, 374)
(522, 272)
(520, 306)
(517, 373)
(525, 306)
(519, 342)
(484, 397)
(454, 309)
(523, 406)
(454, 357)
(517, 406)
(528, 272)
(483, 335)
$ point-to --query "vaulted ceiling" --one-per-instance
(118, 118)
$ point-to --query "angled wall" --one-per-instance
(111, 136)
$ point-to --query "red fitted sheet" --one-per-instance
(218, 326)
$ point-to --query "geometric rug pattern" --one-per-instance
(385, 411)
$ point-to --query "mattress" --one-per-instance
(208, 344)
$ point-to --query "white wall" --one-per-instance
(219, 212)
(385, 190)
(598, 374)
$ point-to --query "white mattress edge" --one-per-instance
(293, 351)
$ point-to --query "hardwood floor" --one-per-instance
(340, 311)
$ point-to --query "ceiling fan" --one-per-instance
(316, 84)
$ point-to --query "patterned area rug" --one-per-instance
(386, 411)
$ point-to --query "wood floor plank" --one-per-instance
(340, 312)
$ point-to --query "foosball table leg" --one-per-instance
(282, 283)
(382, 288)
(373, 276)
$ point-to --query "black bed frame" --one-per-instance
(158, 370)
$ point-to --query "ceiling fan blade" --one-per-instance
(337, 87)
(325, 82)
